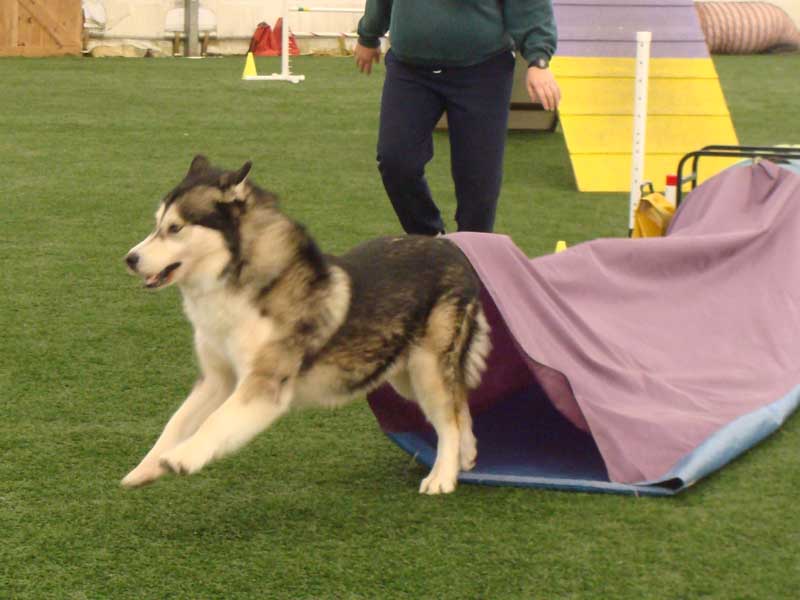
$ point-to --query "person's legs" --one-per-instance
(478, 102)
(409, 112)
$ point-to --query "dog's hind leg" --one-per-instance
(208, 394)
(438, 405)
(473, 346)
(468, 445)
(255, 404)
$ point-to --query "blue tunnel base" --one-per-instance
(524, 441)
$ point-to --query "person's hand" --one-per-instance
(366, 56)
(542, 87)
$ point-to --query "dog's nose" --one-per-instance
(132, 260)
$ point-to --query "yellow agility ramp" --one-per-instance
(595, 68)
(686, 110)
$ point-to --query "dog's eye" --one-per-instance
(173, 229)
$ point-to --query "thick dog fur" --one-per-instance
(280, 325)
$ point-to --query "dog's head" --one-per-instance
(196, 227)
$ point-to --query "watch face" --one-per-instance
(541, 63)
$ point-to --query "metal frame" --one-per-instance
(775, 153)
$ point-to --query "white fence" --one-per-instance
(236, 19)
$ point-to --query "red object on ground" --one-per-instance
(275, 40)
(260, 43)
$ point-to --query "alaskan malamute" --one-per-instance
(279, 324)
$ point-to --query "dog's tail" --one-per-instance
(474, 345)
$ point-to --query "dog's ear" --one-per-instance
(234, 181)
(232, 178)
(199, 164)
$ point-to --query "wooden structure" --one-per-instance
(595, 68)
(40, 28)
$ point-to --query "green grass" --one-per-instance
(322, 506)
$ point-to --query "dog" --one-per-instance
(279, 325)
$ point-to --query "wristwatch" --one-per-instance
(540, 63)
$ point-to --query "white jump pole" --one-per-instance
(285, 74)
(643, 39)
(285, 40)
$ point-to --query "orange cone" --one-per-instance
(277, 35)
(260, 42)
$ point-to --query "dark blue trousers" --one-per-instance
(476, 100)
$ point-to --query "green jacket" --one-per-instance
(460, 32)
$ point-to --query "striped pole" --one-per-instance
(285, 41)
(643, 39)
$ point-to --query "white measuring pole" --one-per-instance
(286, 73)
(285, 40)
(643, 39)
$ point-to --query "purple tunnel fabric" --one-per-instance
(651, 345)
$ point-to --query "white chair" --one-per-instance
(94, 20)
(175, 24)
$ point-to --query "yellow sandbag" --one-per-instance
(652, 216)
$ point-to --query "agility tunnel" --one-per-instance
(595, 67)
(747, 27)
(635, 365)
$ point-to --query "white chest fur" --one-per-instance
(230, 325)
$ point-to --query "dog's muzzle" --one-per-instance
(153, 281)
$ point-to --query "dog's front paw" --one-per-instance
(146, 472)
(435, 483)
(183, 460)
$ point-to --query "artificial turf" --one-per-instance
(322, 505)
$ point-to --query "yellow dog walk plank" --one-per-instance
(605, 169)
(596, 66)
(686, 110)
(665, 97)
(675, 134)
